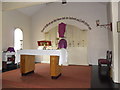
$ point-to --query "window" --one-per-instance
(18, 39)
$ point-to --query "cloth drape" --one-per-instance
(62, 44)
(61, 29)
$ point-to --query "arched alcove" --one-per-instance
(76, 43)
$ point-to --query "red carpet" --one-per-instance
(72, 77)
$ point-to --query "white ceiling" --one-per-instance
(27, 8)
(7, 6)
(15, 4)
(31, 10)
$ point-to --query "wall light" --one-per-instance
(104, 25)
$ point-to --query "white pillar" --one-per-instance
(0, 35)
(114, 13)
(119, 58)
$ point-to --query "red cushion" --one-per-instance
(103, 61)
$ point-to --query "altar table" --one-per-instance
(27, 60)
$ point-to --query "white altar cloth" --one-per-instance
(62, 53)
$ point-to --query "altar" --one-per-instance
(27, 60)
(62, 53)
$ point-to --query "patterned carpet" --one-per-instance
(72, 77)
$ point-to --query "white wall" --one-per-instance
(12, 20)
(90, 12)
(119, 11)
(109, 18)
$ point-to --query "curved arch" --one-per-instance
(66, 18)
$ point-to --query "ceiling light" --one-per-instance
(64, 2)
